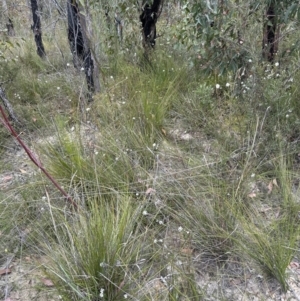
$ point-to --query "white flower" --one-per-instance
(101, 295)
(253, 175)
(82, 69)
(250, 61)
(125, 296)
(276, 64)
(68, 64)
(145, 212)
(227, 85)
(180, 229)
(161, 222)
(287, 116)
(218, 86)
(88, 109)
(58, 88)
(111, 77)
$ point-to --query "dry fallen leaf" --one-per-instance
(5, 272)
(270, 187)
(7, 178)
(150, 191)
(252, 195)
(187, 251)
(294, 265)
(47, 282)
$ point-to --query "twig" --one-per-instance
(33, 157)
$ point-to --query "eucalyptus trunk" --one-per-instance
(37, 28)
(78, 36)
(9, 22)
(148, 17)
(271, 32)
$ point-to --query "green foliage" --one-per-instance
(95, 252)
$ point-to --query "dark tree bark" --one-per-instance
(80, 48)
(148, 17)
(75, 36)
(37, 28)
(10, 28)
(270, 33)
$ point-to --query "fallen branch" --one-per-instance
(32, 157)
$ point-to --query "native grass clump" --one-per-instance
(184, 167)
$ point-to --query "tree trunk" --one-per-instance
(9, 24)
(80, 46)
(37, 29)
(270, 33)
(148, 17)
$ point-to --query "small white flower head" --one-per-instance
(180, 229)
(287, 116)
(145, 212)
(82, 69)
(58, 88)
(68, 65)
(101, 295)
(291, 79)
(218, 86)
(277, 64)
(133, 118)
(250, 61)
(95, 152)
(125, 296)
(88, 109)
(155, 241)
(111, 77)
(227, 85)
(253, 175)
(161, 222)
(277, 74)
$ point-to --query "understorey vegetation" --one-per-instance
(171, 130)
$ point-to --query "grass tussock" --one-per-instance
(177, 174)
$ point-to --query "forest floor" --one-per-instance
(22, 277)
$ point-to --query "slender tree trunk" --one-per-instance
(9, 24)
(37, 28)
(148, 17)
(270, 33)
(78, 36)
